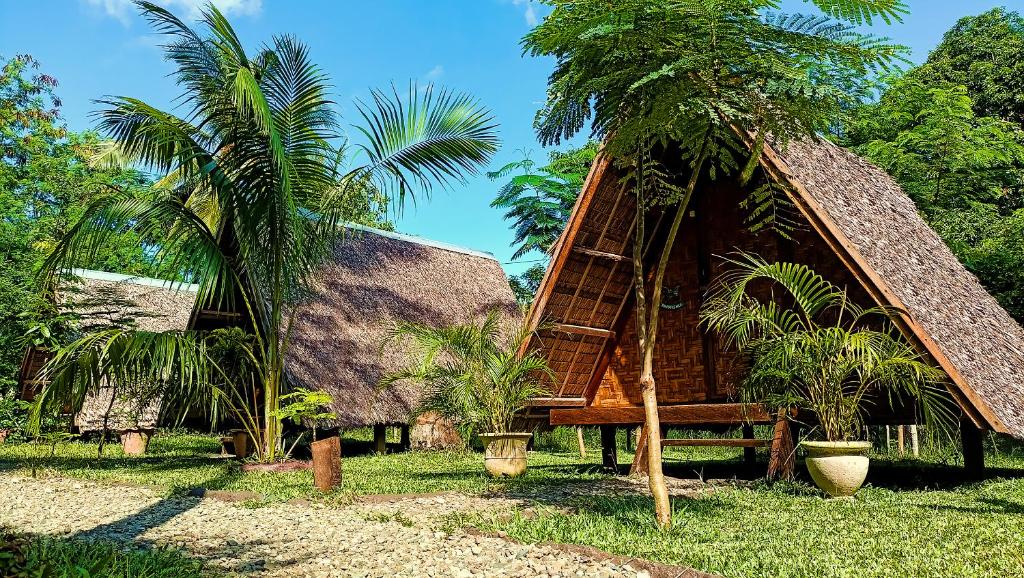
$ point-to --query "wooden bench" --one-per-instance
(731, 442)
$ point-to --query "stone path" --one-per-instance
(363, 540)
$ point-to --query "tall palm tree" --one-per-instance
(248, 157)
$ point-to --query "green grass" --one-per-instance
(915, 517)
(179, 462)
(49, 557)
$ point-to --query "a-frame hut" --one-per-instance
(855, 226)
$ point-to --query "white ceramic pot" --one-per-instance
(839, 468)
(505, 453)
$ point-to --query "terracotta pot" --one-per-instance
(327, 463)
(505, 453)
(240, 439)
(135, 441)
(3, 435)
(839, 468)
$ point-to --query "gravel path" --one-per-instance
(362, 540)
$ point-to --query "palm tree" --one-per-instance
(471, 374)
(248, 157)
(823, 353)
(704, 78)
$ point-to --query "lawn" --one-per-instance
(915, 518)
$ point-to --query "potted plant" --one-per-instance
(811, 349)
(474, 375)
(307, 406)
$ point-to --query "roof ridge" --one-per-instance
(97, 275)
(421, 241)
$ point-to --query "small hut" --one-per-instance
(374, 280)
(102, 300)
(854, 226)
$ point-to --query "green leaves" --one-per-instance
(810, 347)
(423, 139)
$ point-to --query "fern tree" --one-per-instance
(247, 157)
(703, 76)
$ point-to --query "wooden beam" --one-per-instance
(582, 330)
(718, 442)
(600, 254)
(556, 402)
(691, 414)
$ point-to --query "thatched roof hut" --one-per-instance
(856, 227)
(101, 300)
(376, 279)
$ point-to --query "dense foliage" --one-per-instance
(46, 181)
(538, 202)
(950, 133)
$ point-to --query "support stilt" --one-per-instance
(406, 439)
(639, 466)
(609, 451)
(579, 440)
(380, 437)
(973, 447)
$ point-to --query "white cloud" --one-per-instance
(434, 73)
(122, 10)
(529, 11)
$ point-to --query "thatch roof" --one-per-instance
(376, 279)
(105, 300)
(861, 214)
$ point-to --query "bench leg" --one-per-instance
(748, 453)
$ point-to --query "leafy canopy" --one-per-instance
(694, 72)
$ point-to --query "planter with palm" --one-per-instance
(474, 375)
(809, 348)
(251, 204)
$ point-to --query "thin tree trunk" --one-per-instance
(914, 444)
(899, 440)
(579, 440)
(647, 331)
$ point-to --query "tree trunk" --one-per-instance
(647, 328)
(915, 446)
(900, 444)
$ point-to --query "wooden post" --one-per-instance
(609, 452)
(782, 460)
(327, 463)
(972, 439)
(579, 440)
(380, 439)
(406, 440)
(888, 440)
(749, 456)
(639, 466)
(900, 440)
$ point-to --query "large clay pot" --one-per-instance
(505, 453)
(327, 463)
(839, 468)
(134, 442)
(240, 439)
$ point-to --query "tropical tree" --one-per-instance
(705, 76)
(472, 374)
(809, 347)
(538, 202)
(247, 158)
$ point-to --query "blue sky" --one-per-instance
(100, 47)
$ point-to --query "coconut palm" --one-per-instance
(809, 347)
(471, 374)
(247, 157)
